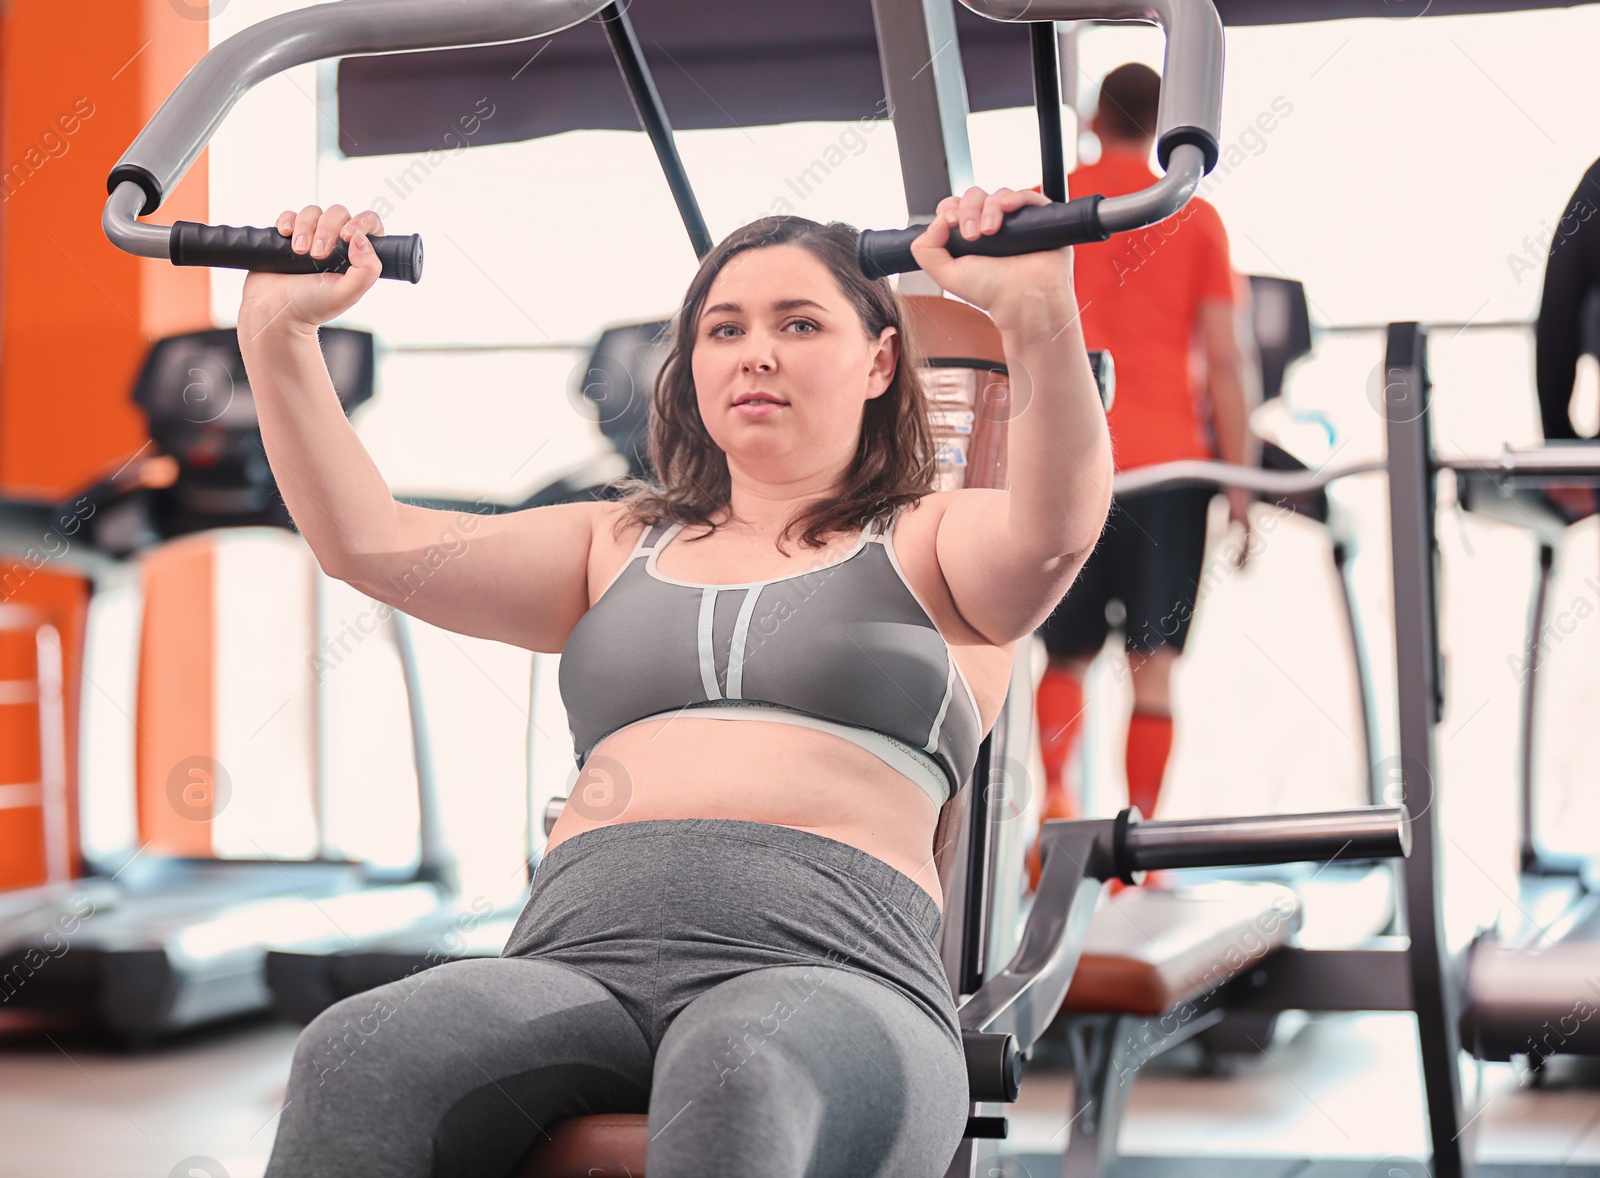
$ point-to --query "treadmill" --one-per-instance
(1525, 985)
(161, 943)
(1350, 902)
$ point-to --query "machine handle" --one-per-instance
(1029, 230)
(1191, 74)
(1370, 832)
(178, 132)
(246, 247)
(1188, 123)
(1022, 997)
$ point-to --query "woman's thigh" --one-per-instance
(806, 1070)
(456, 1070)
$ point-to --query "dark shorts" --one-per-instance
(1149, 558)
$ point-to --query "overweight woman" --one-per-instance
(781, 659)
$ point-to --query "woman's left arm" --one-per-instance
(1009, 556)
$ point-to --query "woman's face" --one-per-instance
(777, 328)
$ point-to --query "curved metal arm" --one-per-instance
(1023, 997)
(1191, 74)
(1162, 475)
(1536, 465)
(1189, 121)
(174, 138)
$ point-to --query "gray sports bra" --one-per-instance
(845, 648)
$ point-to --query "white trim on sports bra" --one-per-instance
(672, 532)
(913, 763)
(909, 762)
(894, 561)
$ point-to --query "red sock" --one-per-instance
(1149, 744)
(1059, 706)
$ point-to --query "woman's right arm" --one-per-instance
(520, 578)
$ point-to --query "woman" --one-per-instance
(738, 935)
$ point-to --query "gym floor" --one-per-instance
(1336, 1097)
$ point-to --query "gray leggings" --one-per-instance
(773, 999)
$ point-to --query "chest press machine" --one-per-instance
(1003, 1008)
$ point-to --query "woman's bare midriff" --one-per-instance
(683, 766)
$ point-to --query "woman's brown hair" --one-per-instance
(894, 459)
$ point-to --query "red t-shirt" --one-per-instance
(1140, 296)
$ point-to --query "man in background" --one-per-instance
(1163, 301)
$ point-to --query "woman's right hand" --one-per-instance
(306, 301)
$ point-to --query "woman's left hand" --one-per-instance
(994, 284)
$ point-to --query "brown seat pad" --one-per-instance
(609, 1145)
(1149, 949)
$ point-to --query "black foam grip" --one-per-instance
(1029, 230)
(994, 1065)
(1195, 136)
(1120, 855)
(143, 178)
(245, 247)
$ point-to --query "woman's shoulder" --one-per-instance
(611, 524)
(915, 527)
(929, 509)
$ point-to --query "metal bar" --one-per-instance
(1458, 325)
(979, 859)
(1372, 832)
(1190, 118)
(1024, 996)
(320, 726)
(1415, 552)
(653, 118)
(1358, 656)
(448, 349)
(1528, 841)
(1558, 460)
(180, 129)
(529, 749)
(53, 754)
(927, 95)
(434, 861)
(1162, 475)
(1047, 106)
(1372, 976)
(1192, 67)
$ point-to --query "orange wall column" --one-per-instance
(77, 315)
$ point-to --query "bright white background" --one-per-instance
(1416, 159)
